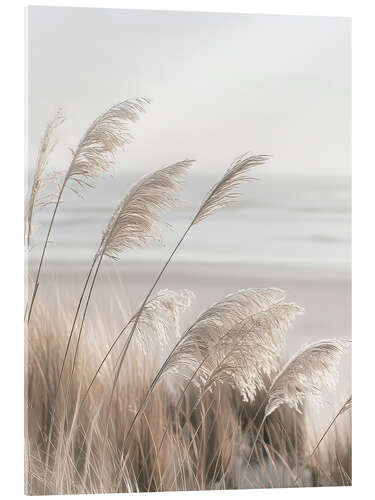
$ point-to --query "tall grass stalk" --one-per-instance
(93, 156)
(35, 200)
(345, 407)
(204, 336)
(221, 194)
(311, 369)
(225, 359)
(220, 366)
(134, 319)
(56, 395)
(134, 222)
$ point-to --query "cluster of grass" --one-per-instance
(151, 407)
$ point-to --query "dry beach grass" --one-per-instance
(152, 406)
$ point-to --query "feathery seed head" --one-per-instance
(47, 145)
(109, 132)
(160, 317)
(306, 374)
(224, 192)
(346, 406)
(237, 340)
(250, 350)
(137, 218)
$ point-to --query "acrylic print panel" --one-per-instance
(187, 237)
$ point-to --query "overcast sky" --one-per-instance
(221, 84)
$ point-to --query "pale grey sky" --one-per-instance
(221, 84)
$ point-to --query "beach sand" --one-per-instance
(325, 293)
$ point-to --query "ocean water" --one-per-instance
(279, 219)
(291, 232)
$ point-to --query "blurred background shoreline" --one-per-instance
(290, 232)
